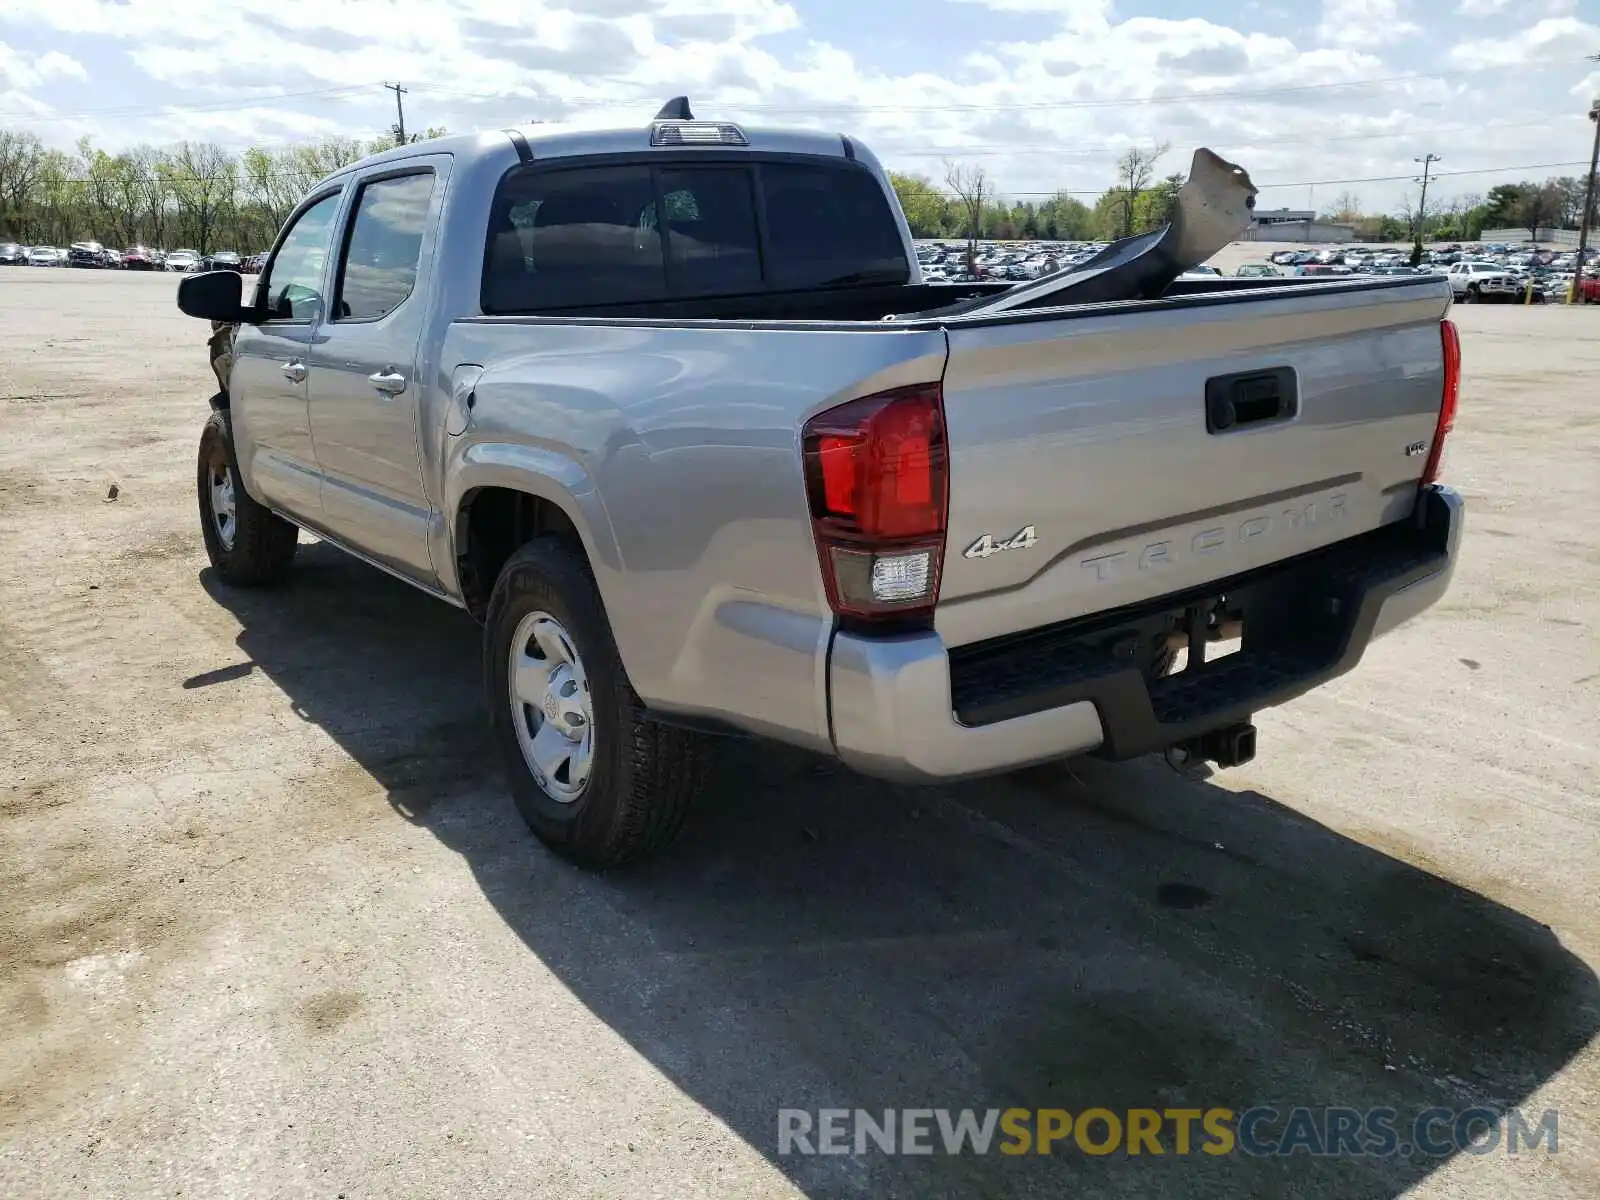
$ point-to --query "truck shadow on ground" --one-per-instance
(1077, 936)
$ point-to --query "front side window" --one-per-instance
(292, 286)
(384, 247)
(565, 239)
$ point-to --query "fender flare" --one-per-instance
(538, 471)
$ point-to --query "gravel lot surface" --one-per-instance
(269, 926)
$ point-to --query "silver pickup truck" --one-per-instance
(671, 411)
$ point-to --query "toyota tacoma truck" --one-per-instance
(672, 413)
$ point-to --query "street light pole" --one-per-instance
(1576, 295)
(1427, 162)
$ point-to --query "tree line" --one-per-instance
(1555, 203)
(968, 206)
(194, 194)
(199, 195)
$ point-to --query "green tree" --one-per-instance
(1135, 169)
(21, 159)
(927, 209)
(1503, 204)
(1156, 207)
(1538, 206)
(1065, 218)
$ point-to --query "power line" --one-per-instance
(957, 151)
(161, 110)
(171, 176)
(1316, 183)
(1189, 97)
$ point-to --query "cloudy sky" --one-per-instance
(1315, 97)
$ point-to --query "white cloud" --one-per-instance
(1051, 111)
(1363, 23)
(18, 70)
(1493, 8)
(1549, 39)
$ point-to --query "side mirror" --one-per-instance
(213, 296)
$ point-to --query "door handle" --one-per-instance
(295, 371)
(391, 383)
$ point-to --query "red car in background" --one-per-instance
(138, 258)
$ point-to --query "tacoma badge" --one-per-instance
(1023, 539)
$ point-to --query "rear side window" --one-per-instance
(563, 239)
(384, 247)
(829, 225)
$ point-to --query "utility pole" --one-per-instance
(399, 108)
(1576, 295)
(1427, 161)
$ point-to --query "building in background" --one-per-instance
(1296, 225)
(1566, 239)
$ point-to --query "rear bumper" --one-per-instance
(907, 708)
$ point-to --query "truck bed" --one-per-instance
(678, 439)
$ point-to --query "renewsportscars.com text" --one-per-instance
(1261, 1131)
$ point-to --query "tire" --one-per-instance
(623, 798)
(1473, 296)
(253, 548)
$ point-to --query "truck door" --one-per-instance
(271, 428)
(365, 385)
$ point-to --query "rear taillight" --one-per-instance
(1451, 341)
(877, 480)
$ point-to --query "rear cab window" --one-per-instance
(563, 237)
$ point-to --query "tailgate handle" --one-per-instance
(1250, 398)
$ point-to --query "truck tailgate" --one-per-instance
(1089, 468)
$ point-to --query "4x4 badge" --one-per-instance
(1023, 539)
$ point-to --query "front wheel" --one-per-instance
(598, 781)
(246, 541)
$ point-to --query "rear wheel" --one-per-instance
(593, 777)
(1472, 296)
(246, 541)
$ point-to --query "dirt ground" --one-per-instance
(269, 926)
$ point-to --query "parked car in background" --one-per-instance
(253, 262)
(184, 260)
(1475, 281)
(86, 254)
(111, 258)
(47, 256)
(224, 260)
(1257, 271)
(12, 254)
(140, 258)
